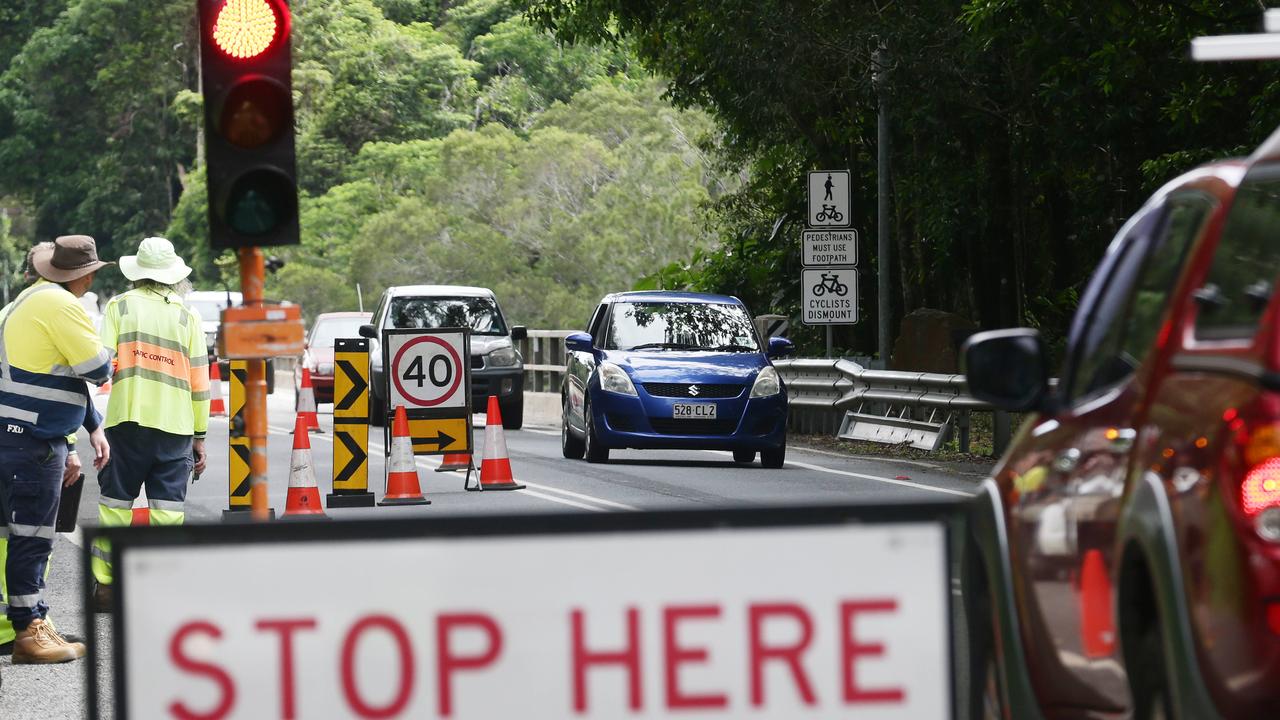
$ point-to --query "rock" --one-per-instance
(930, 341)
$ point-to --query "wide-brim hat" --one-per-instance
(71, 257)
(156, 260)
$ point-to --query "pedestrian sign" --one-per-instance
(829, 199)
(829, 296)
(429, 375)
(350, 424)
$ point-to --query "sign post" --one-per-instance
(350, 425)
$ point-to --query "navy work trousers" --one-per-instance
(30, 488)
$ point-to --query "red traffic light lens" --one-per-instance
(244, 29)
(255, 112)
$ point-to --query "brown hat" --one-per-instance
(71, 257)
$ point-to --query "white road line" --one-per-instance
(861, 476)
(580, 496)
(554, 433)
(562, 501)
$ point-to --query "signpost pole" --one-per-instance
(252, 279)
(829, 352)
(880, 60)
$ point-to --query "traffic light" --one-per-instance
(248, 122)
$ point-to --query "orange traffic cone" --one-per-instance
(455, 461)
(402, 472)
(495, 469)
(1097, 631)
(304, 496)
(217, 406)
(307, 403)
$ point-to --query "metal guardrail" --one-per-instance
(838, 397)
(891, 406)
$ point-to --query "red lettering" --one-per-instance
(628, 657)
(448, 662)
(852, 650)
(195, 667)
(286, 628)
(398, 634)
(677, 655)
(789, 654)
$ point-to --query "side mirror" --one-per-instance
(519, 332)
(1007, 368)
(780, 347)
(578, 342)
(369, 331)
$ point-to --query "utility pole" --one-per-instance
(880, 60)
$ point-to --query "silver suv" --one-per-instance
(496, 365)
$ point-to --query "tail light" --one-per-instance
(1256, 431)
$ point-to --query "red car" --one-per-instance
(318, 355)
(1124, 557)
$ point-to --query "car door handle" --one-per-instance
(1067, 460)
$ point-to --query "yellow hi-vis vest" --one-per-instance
(162, 376)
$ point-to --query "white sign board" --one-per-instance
(824, 248)
(829, 296)
(820, 621)
(427, 370)
(829, 199)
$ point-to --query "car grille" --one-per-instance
(477, 362)
(672, 426)
(681, 390)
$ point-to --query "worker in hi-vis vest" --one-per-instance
(70, 473)
(159, 406)
(48, 349)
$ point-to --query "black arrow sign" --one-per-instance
(358, 457)
(242, 451)
(358, 385)
(441, 440)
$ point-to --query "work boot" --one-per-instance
(102, 597)
(41, 644)
(6, 648)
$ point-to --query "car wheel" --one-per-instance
(1147, 680)
(377, 411)
(773, 458)
(570, 446)
(594, 450)
(744, 457)
(513, 414)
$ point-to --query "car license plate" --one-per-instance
(694, 411)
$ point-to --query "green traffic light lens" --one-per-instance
(260, 201)
(255, 113)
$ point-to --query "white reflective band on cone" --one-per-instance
(301, 474)
(402, 455)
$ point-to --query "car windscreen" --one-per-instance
(478, 313)
(329, 329)
(681, 326)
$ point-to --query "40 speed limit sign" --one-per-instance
(429, 375)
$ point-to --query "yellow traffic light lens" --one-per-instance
(245, 28)
(255, 112)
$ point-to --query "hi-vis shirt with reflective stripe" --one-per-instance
(162, 371)
(49, 349)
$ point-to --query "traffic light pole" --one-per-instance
(252, 279)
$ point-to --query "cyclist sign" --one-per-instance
(829, 296)
(429, 374)
(829, 199)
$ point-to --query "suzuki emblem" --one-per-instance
(693, 390)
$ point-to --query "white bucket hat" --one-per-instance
(156, 260)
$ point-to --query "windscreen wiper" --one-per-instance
(731, 347)
(665, 346)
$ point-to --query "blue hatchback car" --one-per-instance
(674, 370)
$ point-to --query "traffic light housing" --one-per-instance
(248, 122)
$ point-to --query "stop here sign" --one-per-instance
(827, 620)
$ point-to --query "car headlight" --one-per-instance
(615, 379)
(767, 384)
(503, 357)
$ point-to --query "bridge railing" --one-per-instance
(834, 396)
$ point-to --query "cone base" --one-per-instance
(244, 515)
(451, 468)
(350, 500)
(305, 517)
(404, 501)
(497, 486)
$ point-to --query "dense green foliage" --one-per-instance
(438, 142)
(1023, 132)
